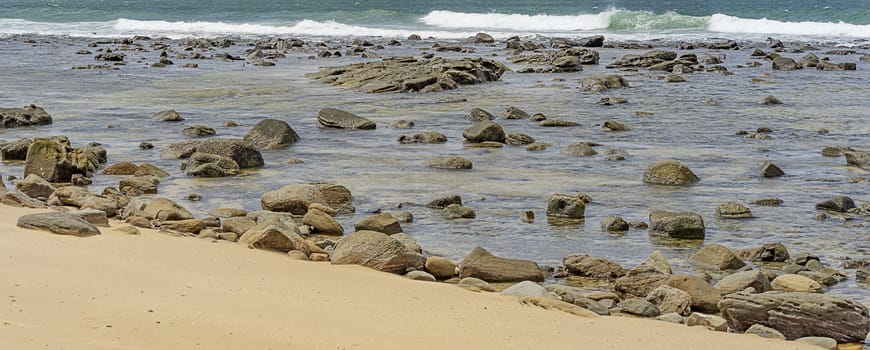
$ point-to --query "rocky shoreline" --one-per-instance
(764, 290)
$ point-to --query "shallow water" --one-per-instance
(114, 108)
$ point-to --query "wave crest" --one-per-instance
(730, 24)
(517, 22)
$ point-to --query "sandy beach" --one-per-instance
(155, 291)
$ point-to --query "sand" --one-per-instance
(155, 291)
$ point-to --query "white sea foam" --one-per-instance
(729, 24)
(518, 22)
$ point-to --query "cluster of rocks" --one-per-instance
(408, 74)
(558, 61)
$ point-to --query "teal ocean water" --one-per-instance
(620, 19)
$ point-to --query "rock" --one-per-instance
(377, 251)
(537, 147)
(798, 315)
(404, 216)
(483, 265)
(127, 229)
(704, 296)
(456, 211)
(58, 223)
(14, 150)
(566, 206)
(740, 281)
(167, 116)
(148, 169)
(670, 173)
(322, 223)
(21, 200)
(768, 202)
(614, 224)
(402, 124)
(579, 149)
(34, 186)
(335, 118)
(640, 307)
(711, 322)
(764, 332)
(210, 165)
(674, 78)
(733, 210)
(527, 216)
(297, 197)
(770, 100)
(192, 226)
(478, 114)
(589, 266)
(548, 303)
(441, 268)
(482, 38)
(612, 125)
(840, 204)
(716, 257)
(424, 137)
(122, 168)
(772, 252)
(640, 281)
(526, 289)
(56, 161)
(238, 224)
(138, 185)
(162, 209)
(383, 222)
(274, 236)
(785, 63)
(598, 83)
(554, 123)
(671, 300)
(476, 284)
(443, 202)
(672, 318)
(272, 134)
(519, 139)
(198, 131)
(484, 131)
(449, 163)
(681, 225)
(822, 342)
(420, 276)
(858, 159)
(514, 113)
(240, 151)
(658, 262)
(297, 255)
(26, 116)
(795, 283)
(769, 169)
(407, 74)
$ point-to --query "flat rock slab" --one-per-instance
(58, 223)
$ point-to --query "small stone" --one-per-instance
(733, 210)
(614, 224)
(527, 216)
(402, 124)
(456, 211)
(765, 332)
(297, 255)
(420, 276)
(770, 100)
(146, 145)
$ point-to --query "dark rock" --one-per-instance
(198, 131)
(335, 118)
(785, 63)
(772, 252)
(14, 150)
(272, 134)
(241, 151)
(58, 223)
(640, 307)
(682, 225)
(798, 315)
(566, 206)
(456, 211)
(402, 124)
(614, 224)
(770, 100)
(34, 186)
(768, 202)
(210, 165)
(549, 123)
(598, 83)
(19, 199)
(27, 116)
(669, 172)
(519, 139)
(839, 204)
(138, 185)
(858, 159)
(609, 101)
(444, 202)
(611, 125)
(483, 265)
(478, 114)
(769, 169)
(514, 113)
(433, 137)
(168, 116)
(484, 131)
(733, 210)
(449, 163)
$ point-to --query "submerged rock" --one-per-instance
(682, 225)
(336, 118)
(272, 134)
(27, 116)
(598, 83)
(669, 172)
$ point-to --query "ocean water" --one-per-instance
(626, 19)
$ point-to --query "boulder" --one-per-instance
(479, 114)
(210, 165)
(798, 315)
(56, 161)
(383, 222)
(322, 223)
(19, 199)
(640, 281)
(739, 281)
(733, 210)
(122, 168)
(612, 125)
(34, 186)
(526, 289)
(297, 197)
(444, 202)
(589, 266)
(483, 265)
(27, 116)
(566, 206)
(274, 236)
(484, 131)
(579, 149)
(198, 131)
(482, 38)
(14, 150)
(856, 158)
(449, 163)
(795, 283)
(769, 169)
(456, 211)
(840, 204)
(162, 209)
(237, 224)
(167, 116)
(598, 83)
(138, 185)
(658, 262)
(669, 172)
(58, 223)
(671, 300)
(640, 307)
(681, 225)
(614, 224)
(378, 251)
(240, 151)
(441, 268)
(704, 296)
(785, 63)
(272, 134)
(80, 197)
(771, 252)
(519, 139)
(514, 113)
(711, 322)
(716, 257)
(192, 226)
(336, 118)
